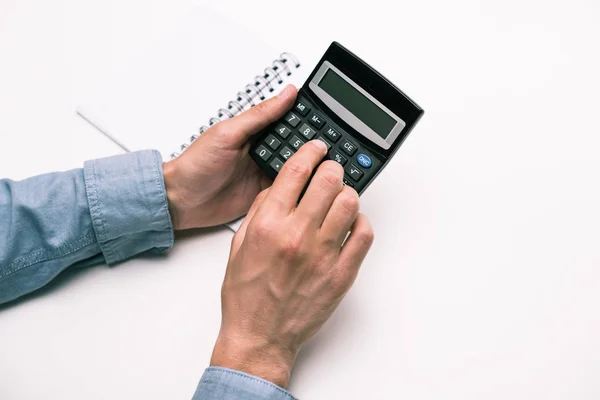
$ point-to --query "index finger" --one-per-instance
(295, 174)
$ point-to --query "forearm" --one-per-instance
(108, 211)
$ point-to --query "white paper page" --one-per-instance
(169, 93)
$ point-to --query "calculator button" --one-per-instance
(273, 142)
(348, 183)
(296, 142)
(348, 147)
(316, 121)
(292, 119)
(283, 130)
(263, 153)
(286, 153)
(337, 157)
(307, 131)
(301, 108)
(322, 139)
(276, 164)
(354, 172)
(364, 160)
(332, 134)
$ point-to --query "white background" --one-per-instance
(483, 280)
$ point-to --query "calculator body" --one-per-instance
(361, 116)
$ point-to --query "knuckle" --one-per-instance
(261, 196)
(333, 166)
(297, 169)
(261, 110)
(330, 173)
(365, 235)
(349, 201)
(292, 245)
(262, 228)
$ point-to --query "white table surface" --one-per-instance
(483, 279)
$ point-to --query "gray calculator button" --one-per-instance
(263, 153)
(316, 121)
(276, 164)
(292, 119)
(301, 108)
(296, 142)
(354, 172)
(273, 142)
(286, 153)
(348, 147)
(307, 131)
(283, 130)
(322, 139)
(337, 157)
(332, 134)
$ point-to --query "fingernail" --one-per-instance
(286, 92)
(320, 144)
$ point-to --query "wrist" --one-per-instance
(173, 194)
(266, 361)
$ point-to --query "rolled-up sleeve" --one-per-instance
(226, 384)
(109, 211)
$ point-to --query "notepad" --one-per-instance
(209, 70)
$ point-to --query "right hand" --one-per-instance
(290, 266)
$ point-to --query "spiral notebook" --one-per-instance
(208, 70)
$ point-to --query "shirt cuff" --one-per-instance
(128, 203)
(227, 384)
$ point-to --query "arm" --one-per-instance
(109, 211)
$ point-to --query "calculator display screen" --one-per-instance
(357, 103)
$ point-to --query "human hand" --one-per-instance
(290, 266)
(215, 181)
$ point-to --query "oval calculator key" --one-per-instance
(364, 160)
(361, 116)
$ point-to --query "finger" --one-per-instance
(240, 128)
(294, 175)
(356, 247)
(323, 189)
(341, 216)
(239, 236)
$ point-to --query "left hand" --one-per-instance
(215, 181)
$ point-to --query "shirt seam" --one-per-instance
(252, 378)
(98, 222)
(50, 255)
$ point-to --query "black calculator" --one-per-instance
(361, 116)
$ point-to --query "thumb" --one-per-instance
(240, 128)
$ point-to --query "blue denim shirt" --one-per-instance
(107, 212)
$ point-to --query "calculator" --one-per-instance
(361, 116)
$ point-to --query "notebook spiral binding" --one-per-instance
(265, 83)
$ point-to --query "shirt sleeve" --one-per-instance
(226, 384)
(109, 211)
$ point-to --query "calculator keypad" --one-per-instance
(273, 142)
(305, 123)
(292, 119)
(276, 164)
(301, 108)
(348, 147)
(296, 142)
(282, 131)
(286, 153)
(332, 134)
(316, 121)
(307, 131)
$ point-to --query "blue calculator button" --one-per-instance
(364, 160)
